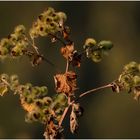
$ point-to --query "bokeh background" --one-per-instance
(107, 115)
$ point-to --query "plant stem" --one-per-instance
(65, 112)
(5, 82)
(70, 103)
(32, 43)
(67, 66)
(35, 47)
(95, 89)
(59, 39)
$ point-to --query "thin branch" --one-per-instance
(30, 54)
(70, 103)
(35, 47)
(63, 115)
(67, 66)
(65, 112)
(95, 89)
(32, 43)
(5, 82)
(59, 39)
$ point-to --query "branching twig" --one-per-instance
(5, 82)
(32, 43)
(93, 90)
(70, 103)
(35, 47)
(67, 66)
(65, 112)
(59, 39)
(69, 100)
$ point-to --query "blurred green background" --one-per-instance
(107, 115)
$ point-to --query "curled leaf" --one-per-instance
(78, 109)
(76, 59)
(73, 122)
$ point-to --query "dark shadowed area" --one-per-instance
(107, 114)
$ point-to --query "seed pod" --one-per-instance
(16, 51)
(47, 100)
(48, 19)
(39, 103)
(4, 77)
(49, 11)
(20, 29)
(33, 33)
(62, 16)
(13, 38)
(96, 56)
(41, 17)
(13, 78)
(4, 51)
(5, 42)
(136, 80)
(131, 67)
(44, 89)
(3, 89)
(105, 45)
(90, 42)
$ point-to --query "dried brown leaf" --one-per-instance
(65, 83)
(73, 122)
(76, 59)
(67, 51)
(36, 60)
(65, 35)
(116, 87)
(78, 109)
(53, 131)
(70, 54)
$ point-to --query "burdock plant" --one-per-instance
(52, 110)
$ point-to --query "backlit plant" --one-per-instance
(39, 106)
